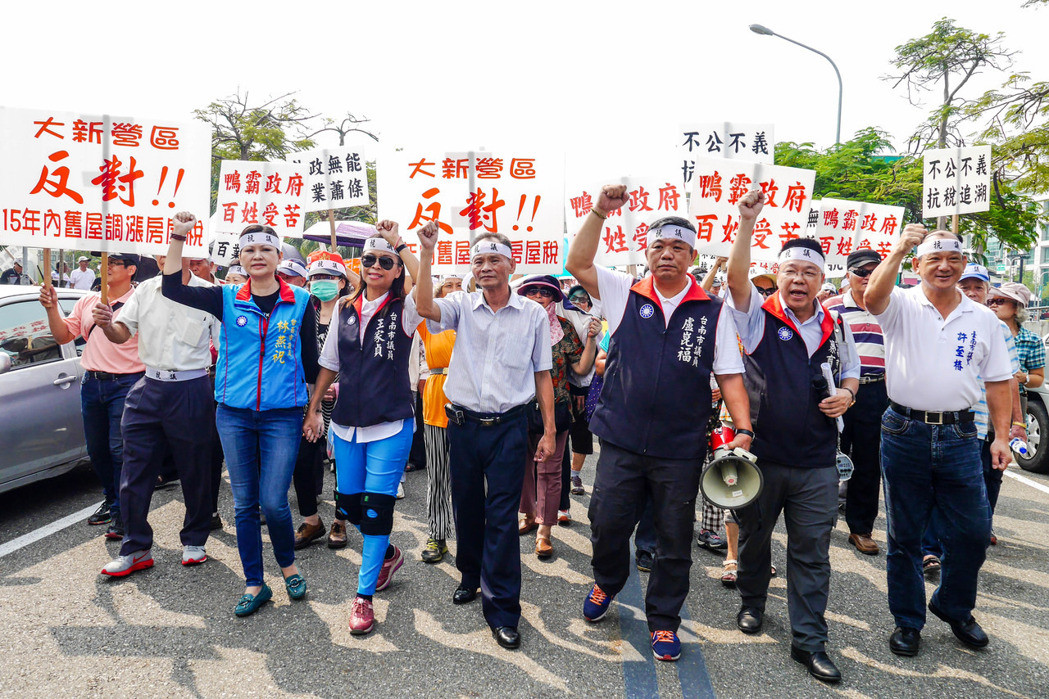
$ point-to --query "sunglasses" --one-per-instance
(384, 262)
(861, 272)
(998, 300)
(579, 299)
(766, 291)
(541, 290)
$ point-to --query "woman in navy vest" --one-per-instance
(367, 351)
(267, 357)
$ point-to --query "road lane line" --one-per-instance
(47, 530)
(1027, 481)
(639, 676)
(692, 668)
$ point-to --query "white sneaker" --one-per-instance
(126, 565)
(400, 491)
(193, 555)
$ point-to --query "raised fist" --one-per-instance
(612, 197)
(751, 204)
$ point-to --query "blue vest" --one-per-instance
(260, 357)
(788, 424)
(373, 375)
(656, 397)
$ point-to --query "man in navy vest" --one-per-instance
(668, 337)
(787, 339)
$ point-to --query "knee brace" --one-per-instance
(377, 513)
(348, 507)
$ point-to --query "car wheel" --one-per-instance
(1037, 439)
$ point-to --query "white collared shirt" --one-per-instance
(936, 363)
(497, 353)
(171, 337)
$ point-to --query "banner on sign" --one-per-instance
(519, 193)
(724, 139)
(100, 181)
(624, 235)
(335, 177)
(956, 181)
(717, 187)
(845, 226)
(269, 194)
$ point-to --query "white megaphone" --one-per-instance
(732, 479)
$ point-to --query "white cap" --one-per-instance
(291, 266)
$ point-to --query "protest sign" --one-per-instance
(717, 187)
(956, 181)
(624, 235)
(723, 139)
(518, 192)
(335, 177)
(845, 226)
(100, 181)
(269, 194)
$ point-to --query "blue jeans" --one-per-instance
(933, 472)
(261, 448)
(102, 405)
(992, 479)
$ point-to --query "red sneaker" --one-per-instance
(362, 617)
(389, 567)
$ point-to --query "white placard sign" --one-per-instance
(956, 181)
(336, 177)
(269, 194)
(724, 139)
(845, 226)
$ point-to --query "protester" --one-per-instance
(825, 292)
(293, 272)
(938, 344)
(580, 311)
(541, 491)
(14, 275)
(787, 338)
(163, 414)
(657, 376)
(204, 268)
(235, 275)
(83, 276)
(502, 360)
(267, 357)
(372, 421)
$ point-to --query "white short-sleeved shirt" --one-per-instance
(171, 336)
(933, 363)
(82, 280)
(614, 288)
(329, 359)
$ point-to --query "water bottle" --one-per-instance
(1020, 447)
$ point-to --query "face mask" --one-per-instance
(325, 289)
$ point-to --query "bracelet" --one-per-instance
(746, 432)
(597, 212)
(1020, 424)
(852, 392)
(178, 237)
(400, 247)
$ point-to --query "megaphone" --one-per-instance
(732, 478)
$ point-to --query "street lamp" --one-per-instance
(765, 31)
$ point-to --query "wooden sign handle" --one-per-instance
(47, 267)
(334, 238)
(103, 271)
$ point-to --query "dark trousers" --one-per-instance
(808, 499)
(861, 440)
(162, 418)
(566, 477)
(645, 535)
(489, 548)
(217, 456)
(623, 479)
(417, 455)
(308, 477)
(992, 479)
(102, 405)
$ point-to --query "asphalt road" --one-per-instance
(170, 630)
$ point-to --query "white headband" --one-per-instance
(939, 245)
(293, 266)
(326, 266)
(378, 244)
(259, 237)
(802, 254)
(448, 277)
(237, 269)
(677, 232)
(489, 246)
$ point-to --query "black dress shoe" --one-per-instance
(968, 632)
(905, 642)
(820, 666)
(464, 595)
(507, 637)
(749, 620)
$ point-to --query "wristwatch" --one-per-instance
(746, 432)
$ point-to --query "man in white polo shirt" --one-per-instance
(938, 344)
(83, 276)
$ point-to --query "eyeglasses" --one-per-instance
(861, 272)
(543, 291)
(579, 299)
(370, 260)
(116, 263)
(766, 291)
(998, 300)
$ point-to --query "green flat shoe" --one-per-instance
(249, 604)
(296, 585)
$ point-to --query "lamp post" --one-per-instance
(765, 31)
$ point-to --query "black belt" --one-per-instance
(106, 376)
(931, 417)
(491, 419)
(872, 379)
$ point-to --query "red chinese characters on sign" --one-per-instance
(61, 226)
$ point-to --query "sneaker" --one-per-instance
(362, 616)
(564, 518)
(994, 539)
(115, 530)
(596, 605)
(101, 515)
(577, 486)
(666, 645)
(126, 565)
(644, 561)
(216, 522)
(400, 491)
(712, 541)
(434, 550)
(389, 567)
(193, 555)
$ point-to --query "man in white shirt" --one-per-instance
(83, 276)
(163, 413)
(938, 344)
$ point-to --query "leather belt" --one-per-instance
(931, 417)
(166, 375)
(491, 419)
(106, 376)
(872, 379)
(438, 371)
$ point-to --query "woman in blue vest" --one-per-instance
(367, 351)
(267, 357)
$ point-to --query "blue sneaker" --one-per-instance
(596, 605)
(666, 645)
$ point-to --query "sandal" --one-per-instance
(729, 570)
(930, 564)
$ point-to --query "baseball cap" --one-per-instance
(975, 271)
(292, 267)
(859, 258)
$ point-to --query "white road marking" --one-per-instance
(1026, 481)
(46, 530)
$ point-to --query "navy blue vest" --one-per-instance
(789, 427)
(373, 375)
(656, 397)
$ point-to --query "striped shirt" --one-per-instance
(870, 342)
(980, 409)
(1030, 351)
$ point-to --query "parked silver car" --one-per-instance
(41, 431)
